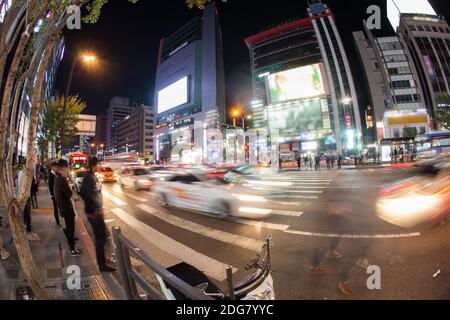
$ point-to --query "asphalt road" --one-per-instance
(320, 210)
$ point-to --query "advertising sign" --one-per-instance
(173, 95)
(298, 83)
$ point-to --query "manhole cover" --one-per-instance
(91, 289)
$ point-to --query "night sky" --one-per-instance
(126, 39)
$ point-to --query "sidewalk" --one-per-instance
(51, 255)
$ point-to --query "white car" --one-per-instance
(135, 177)
(207, 193)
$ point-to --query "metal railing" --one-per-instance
(132, 279)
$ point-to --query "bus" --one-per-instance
(432, 144)
(123, 160)
(78, 160)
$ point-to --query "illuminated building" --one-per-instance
(394, 90)
(119, 108)
(190, 93)
(135, 132)
(303, 87)
(427, 39)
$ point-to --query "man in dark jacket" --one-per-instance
(63, 196)
(93, 206)
(51, 184)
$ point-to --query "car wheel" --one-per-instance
(223, 209)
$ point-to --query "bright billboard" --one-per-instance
(298, 83)
(397, 7)
(173, 95)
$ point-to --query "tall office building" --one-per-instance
(427, 38)
(190, 92)
(303, 87)
(135, 132)
(100, 130)
(119, 108)
(395, 94)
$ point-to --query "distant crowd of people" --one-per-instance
(308, 161)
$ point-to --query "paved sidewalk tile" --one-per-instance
(51, 255)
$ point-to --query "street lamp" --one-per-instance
(235, 114)
(87, 59)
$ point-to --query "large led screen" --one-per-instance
(173, 95)
(298, 83)
(299, 117)
(397, 7)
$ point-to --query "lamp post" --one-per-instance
(235, 114)
(87, 59)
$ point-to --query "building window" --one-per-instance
(422, 130)
(427, 28)
(435, 29)
(420, 28)
(396, 132)
(377, 66)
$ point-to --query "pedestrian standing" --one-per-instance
(91, 194)
(317, 161)
(34, 191)
(310, 159)
(299, 163)
(51, 184)
(339, 161)
(333, 160)
(328, 161)
(4, 254)
(63, 196)
(306, 162)
(402, 155)
(395, 156)
(31, 236)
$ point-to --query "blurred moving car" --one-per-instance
(421, 200)
(107, 174)
(209, 193)
(76, 179)
(135, 177)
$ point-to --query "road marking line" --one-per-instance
(293, 197)
(136, 198)
(290, 203)
(287, 213)
(230, 238)
(113, 198)
(302, 191)
(349, 236)
(260, 224)
(306, 187)
(213, 268)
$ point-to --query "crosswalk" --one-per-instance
(302, 190)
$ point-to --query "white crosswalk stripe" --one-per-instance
(113, 198)
(287, 213)
(211, 267)
(230, 238)
(303, 191)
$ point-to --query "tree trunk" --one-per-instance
(24, 251)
